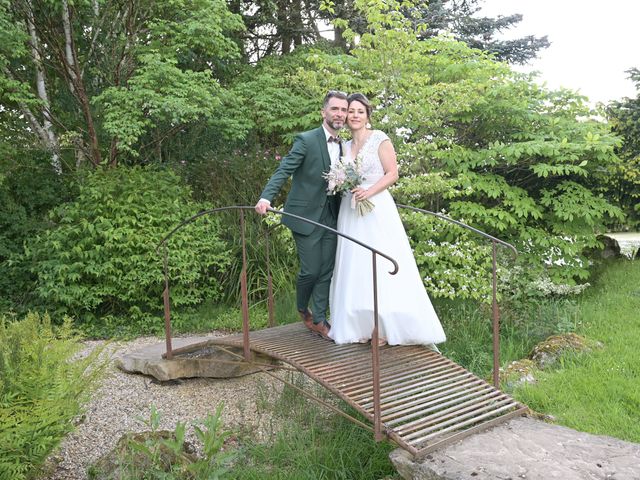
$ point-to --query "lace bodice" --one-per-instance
(370, 160)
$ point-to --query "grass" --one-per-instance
(223, 317)
(599, 392)
(207, 317)
(312, 444)
(469, 331)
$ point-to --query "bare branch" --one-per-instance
(94, 38)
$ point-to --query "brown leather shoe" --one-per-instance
(322, 329)
(307, 319)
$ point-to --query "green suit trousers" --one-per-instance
(317, 254)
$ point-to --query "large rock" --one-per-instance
(621, 243)
(548, 353)
(525, 448)
(198, 359)
(545, 354)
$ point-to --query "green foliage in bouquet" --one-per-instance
(43, 385)
(100, 258)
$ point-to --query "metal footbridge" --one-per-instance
(410, 395)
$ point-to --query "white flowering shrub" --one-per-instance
(453, 264)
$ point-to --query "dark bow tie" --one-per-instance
(334, 139)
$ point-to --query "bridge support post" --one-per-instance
(167, 305)
(496, 322)
(375, 358)
(245, 296)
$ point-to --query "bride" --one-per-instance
(405, 313)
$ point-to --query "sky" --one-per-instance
(593, 42)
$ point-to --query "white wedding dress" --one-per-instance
(405, 313)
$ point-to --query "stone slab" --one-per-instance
(524, 448)
(201, 360)
(621, 243)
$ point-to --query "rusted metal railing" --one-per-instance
(494, 291)
(375, 354)
(245, 303)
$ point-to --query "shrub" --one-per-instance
(100, 257)
(161, 454)
(236, 177)
(29, 188)
(42, 388)
(283, 259)
(485, 145)
(452, 262)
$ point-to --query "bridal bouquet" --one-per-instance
(343, 177)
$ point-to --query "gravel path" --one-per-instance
(122, 398)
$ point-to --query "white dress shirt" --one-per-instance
(332, 147)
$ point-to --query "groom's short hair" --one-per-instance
(333, 94)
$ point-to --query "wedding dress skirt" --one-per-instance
(405, 313)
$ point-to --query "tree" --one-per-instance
(457, 17)
(624, 181)
(481, 143)
(277, 27)
(100, 79)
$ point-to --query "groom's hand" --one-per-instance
(262, 205)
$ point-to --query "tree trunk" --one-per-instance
(284, 33)
(51, 141)
(338, 39)
(234, 6)
(76, 85)
(113, 152)
(68, 47)
(296, 22)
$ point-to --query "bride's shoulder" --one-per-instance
(380, 136)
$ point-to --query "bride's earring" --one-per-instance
(368, 125)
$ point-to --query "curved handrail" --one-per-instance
(375, 353)
(494, 277)
(280, 212)
(463, 225)
(375, 356)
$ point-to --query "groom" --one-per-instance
(312, 154)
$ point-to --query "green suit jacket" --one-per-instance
(307, 160)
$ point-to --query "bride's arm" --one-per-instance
(387, 156)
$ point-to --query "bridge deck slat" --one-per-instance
(427, 400)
